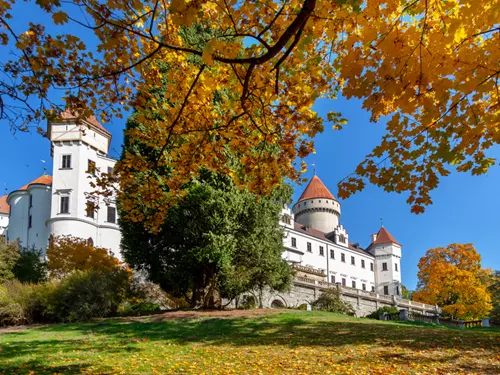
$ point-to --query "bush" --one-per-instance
(248, 302)
(385, 309)
(330, 301)
(128, 308)
(9, 254)
(30, 266)
(80, 296)
(83, 295)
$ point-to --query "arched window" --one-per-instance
(90, 241)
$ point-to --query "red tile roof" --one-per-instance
(4, 206)
(383, 237)
(315, 189)
(326, 237)
(42, 180)
(67, 115)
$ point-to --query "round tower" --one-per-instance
(317, 208)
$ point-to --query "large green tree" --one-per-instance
(218, 241)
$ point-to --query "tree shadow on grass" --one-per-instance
(41, 368)
(299, 329)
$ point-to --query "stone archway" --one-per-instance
(277, 304)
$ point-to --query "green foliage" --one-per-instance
(30, 266)
(218, 241)
(79, 296)
(248, 302)
(137, 309)
(494, 290)
(83, 295)
(405, 293)
(9, 254)
(330, 301)
(385, 309)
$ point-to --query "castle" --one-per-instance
(315, 243)
(58, 204)
(318, 246)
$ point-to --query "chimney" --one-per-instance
(373, 237)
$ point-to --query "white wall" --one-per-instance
(331, 267)
(390, 254)
(75, 183)
(19, 213)
(4, 223)
(318, 214)
(38, 234)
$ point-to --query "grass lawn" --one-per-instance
(282, 342)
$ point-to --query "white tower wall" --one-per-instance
(19, 213)
(318, 213)
(38, 233)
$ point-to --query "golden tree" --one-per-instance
(451, 277)
(69, 253)
(432, 66)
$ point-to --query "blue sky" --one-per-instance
(465, 210)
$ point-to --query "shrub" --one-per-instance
(30, 266)
(385, 309)
(128, 308)
(330, 301)
(248, 302)
(68, 253)
(83, 295)
(146, 291)
(9, 253)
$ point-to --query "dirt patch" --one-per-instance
(169, 315)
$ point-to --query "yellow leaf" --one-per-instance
(460, 34)
(60, 18)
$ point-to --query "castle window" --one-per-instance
(354, 284)
(344, 281)
(384, 266)
(287, 219)
(322, 251)
(342, 238)
(397, 290)
(110, 171)
(111, 214)
(371, 266)
(362, 263)
(353, 261)
(90, 241)
(386, 290)
(326, 201)
(396, 268)
(89, 209)
(332, 279)
(31, 200)
(373, 288)
(332, 254)
(294, 242)
(309, 247)
(342, 257)
(66, 162)
(64, 207)
(319, 201)
(363, 286)
(91, 167)
(29, 222)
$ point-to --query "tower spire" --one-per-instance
(314, 168)
(381, 222)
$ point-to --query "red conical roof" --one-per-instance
(315, 189)
(4, 206)
(383, 236)
(67, 115)
(42, 180)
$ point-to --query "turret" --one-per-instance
(387, 265)
(317, 208)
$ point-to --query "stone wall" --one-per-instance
(307, 290)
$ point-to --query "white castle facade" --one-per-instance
(315, 244)
(318, 246)
(58, 204)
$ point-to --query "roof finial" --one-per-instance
(381, 222)
(314, 168)
(44, 167)
(6, 190)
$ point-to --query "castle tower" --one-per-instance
(387, 265)
(79, 148)
(317, 208)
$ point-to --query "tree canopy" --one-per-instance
(430, 66)
(452, 278)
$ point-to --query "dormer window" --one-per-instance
(341, 238)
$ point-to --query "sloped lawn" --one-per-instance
(283, 342)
